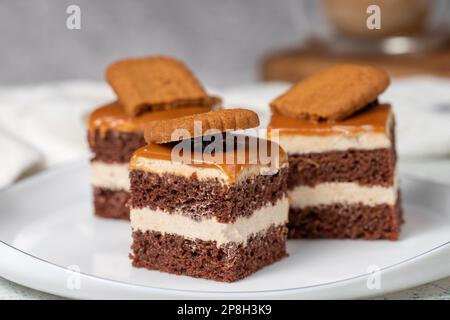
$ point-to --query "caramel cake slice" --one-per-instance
(343, 181)
(152, 88)
(220, 219)
(113, 137)
(341, 146)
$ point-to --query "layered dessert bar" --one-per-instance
(148, 89)
(343, 180)
(113, 137)
(215, 220)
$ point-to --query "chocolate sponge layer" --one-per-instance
(114, 146)
(203, 259)
(111, 203)
(340, 221)
(206, 198)
(365, 167)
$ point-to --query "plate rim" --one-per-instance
(192, 293)
(288, 292)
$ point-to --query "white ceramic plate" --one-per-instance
(47, 226)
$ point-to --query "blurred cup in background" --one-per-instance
(399, 17)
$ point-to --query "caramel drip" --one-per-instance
(374, 119)
(113, 117)
(231, 170)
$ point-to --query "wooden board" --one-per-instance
(296, 63)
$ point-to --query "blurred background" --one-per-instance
(222, 40)
(52, 75)
(225, 42)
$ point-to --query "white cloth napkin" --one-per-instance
(422, 107)
(46, 124)
(18, 158)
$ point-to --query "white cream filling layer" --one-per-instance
(365, 140)
(210, 229)
(302, 144)
(112, 176)
(342, 192)
(162, 166)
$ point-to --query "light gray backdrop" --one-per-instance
(222, 40)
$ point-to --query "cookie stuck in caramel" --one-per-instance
(334, 93)
(155, 83)
(220, 121)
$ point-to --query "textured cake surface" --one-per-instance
(113, 136)
(204, 259)
(109, 171)
(342, 221)
(342, 181)
(111, 204)
(206, 198)
(209, 220)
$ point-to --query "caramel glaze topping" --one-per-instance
(373, 119)
(113, 117)
(232, 169)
